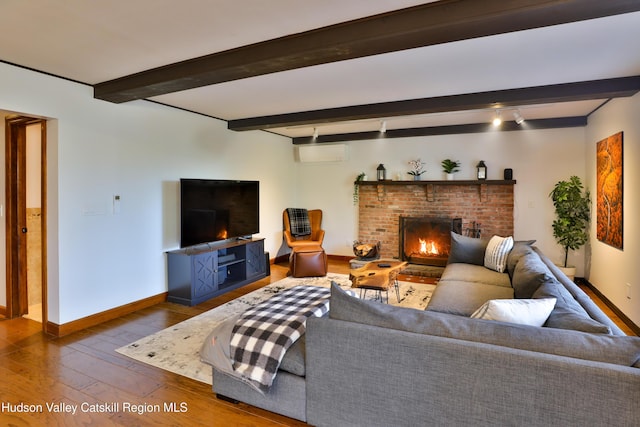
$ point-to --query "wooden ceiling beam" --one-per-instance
(565, 92)
(424, 25)
(555, 123)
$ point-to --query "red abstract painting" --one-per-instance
(609, 190)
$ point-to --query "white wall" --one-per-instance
(538, 158)
(611, 268)
(100, 260)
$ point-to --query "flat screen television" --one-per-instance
(214, 210)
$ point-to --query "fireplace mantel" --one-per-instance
(440, 182)
(430, 185)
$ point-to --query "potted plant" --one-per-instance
(356, 188)
(416, 169)
(450, 167)
(573, 210)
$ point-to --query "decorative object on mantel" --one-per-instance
(416, 169)
(366, 251)
(450, 167)
(508, 174)
(573, 208)
(382, 172)
(356, 188)
(481, 170)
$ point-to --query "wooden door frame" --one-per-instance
(15, 181)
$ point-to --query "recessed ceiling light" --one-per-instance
(497, 120)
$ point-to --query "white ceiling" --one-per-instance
(99, 40)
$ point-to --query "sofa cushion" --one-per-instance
(532, 312)
(621, 350)
(474, 274)
(463, 298)
(568, 313)
(529, 273)
(495, 256)
(563, 318)
(520, 249)
(294, 359)
(467, 250)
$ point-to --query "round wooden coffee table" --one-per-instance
(378, 276)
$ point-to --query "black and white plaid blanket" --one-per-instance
(299, 221)
(262, 335)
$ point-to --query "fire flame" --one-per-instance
(428, 248)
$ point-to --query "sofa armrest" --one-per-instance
(318, 236)
(583, 299)
(365, 375)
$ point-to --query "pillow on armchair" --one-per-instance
(299, 222)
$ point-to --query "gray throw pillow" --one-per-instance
(530, 272)
(467, 250)
(568, 313)
(520, 249)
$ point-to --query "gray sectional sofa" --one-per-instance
(372, 364)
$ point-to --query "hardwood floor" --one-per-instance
(607, 310)
(84, 369)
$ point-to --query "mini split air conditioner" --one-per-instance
(322, 153)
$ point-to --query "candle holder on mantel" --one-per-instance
(382, 172)
(482, 170)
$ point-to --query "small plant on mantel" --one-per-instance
(356, 187)
(450, 166)
(416, 169)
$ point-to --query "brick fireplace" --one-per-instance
(381, 204)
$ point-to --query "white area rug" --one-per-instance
(177, 348)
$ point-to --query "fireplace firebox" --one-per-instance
(426, 240)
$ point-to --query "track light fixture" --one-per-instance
(315, 133)
(383, 126)
(497, 120)
(518, 117)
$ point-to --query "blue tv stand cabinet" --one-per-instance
(199, 273)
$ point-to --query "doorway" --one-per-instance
(25, 194)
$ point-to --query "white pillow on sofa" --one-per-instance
(533, 312)
(495, 256)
